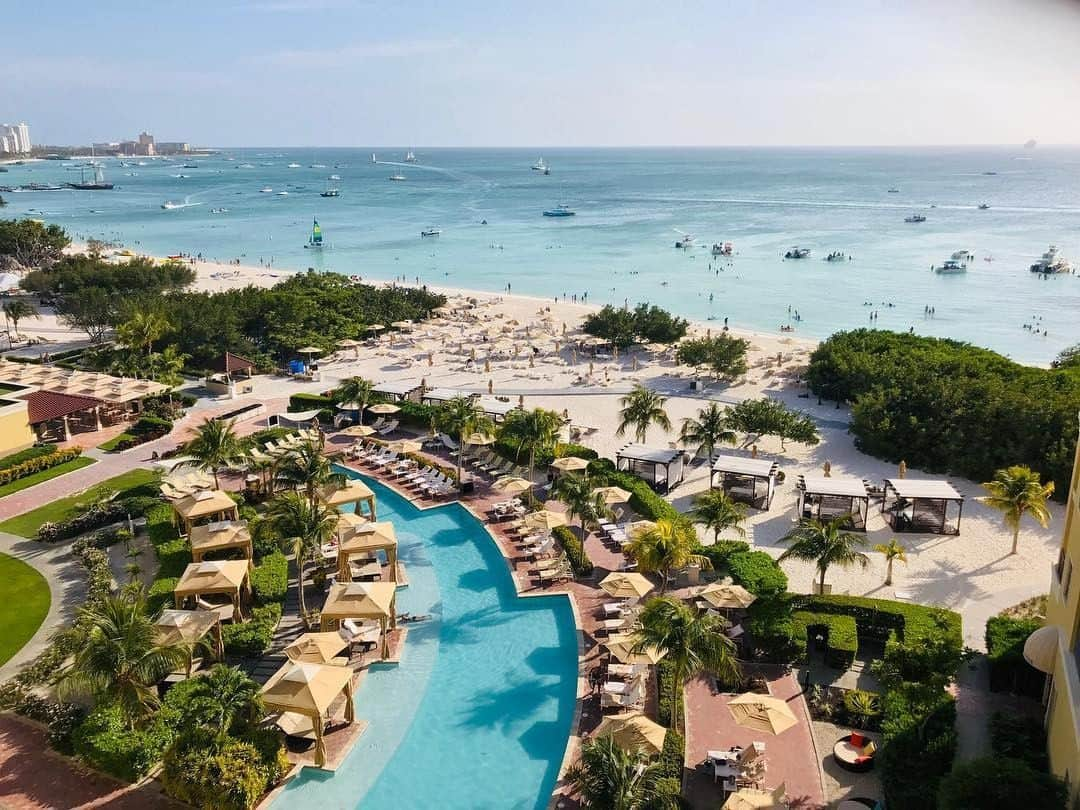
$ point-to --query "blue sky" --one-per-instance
(593, 72)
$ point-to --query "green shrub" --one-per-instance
(253, 637)
(415, 414)
(61, 718)
(146, 425)
(862, 708)
(919, 744)
(104, 740)
(990, 783)
(757, 572)
(769, 623)
(1009, 670)
(138, 505)
(267, 741)
(270, 579)
(575, 551)
(575, 450)
(1019, 737)
(15, 459)
(309, 402)
(720, 553)
(841, 637)
(215, 774)
(35, 463)
(160, 593)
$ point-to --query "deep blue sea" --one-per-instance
(631, 205)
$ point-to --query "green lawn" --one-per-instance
(21, 586)
(26, 524)
(115, 440)
(45, 475)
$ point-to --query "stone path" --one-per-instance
(975, 704)
(288, 630)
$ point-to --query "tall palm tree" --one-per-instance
(142, 328)
(581, 499)
(609, 777)
(668, 546)
(825, 544)
(532, 431)
(355, 389)
(642, 408)
(708, 430)
(120, 659)
(303, 527)
(307, 468)
(461, 417)
(719, 512)
(224, 698)
(893, 551)
(17, 309)
(693, 642)
(1017, 491)
(215, 445)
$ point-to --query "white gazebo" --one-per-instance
(928, 506)
(826, 498)
(747, 480)
(662, 467)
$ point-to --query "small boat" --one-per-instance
(684, 241)
(560, 211)
(836, 256)
(724, 249)
(293, 166)
(190, 166)
(983, 206)
(219, 210)
(410, 157)
(915, 218)
(396, 177)
(334, 177)
(539, 166)
(951, 267)
(894, 191)
(245, 165)
(265, 190)
(317, 166)
(430, 232)
(315, 241)
(283, 194)
(1050, 263)
(990, 174)
(168, 205)
(797, 253)
(330, 192)
(965, 257)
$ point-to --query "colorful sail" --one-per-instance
(316, 232)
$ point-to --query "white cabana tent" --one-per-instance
(747, 480)
(444, 394)
(829, 497)
(662, 467)
(397, 389)
(296, 419)
(930, 506)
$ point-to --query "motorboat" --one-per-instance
(334, 177)
(169, 205)
(915, 218)
(724, 249)
(219, 210)
(266, 190)
(396, 177)
(317, 166)
(539, 166)
(983, 206)
(894, 191)
(293, 166)
(1051, 263)
(560, 211)
(951, 267)
(245, 165)
(684, 241)
(189, 166)
(965, 257)
(283, 194)
(330, 192)
(797, 253)
(430, 232)
(410, 157)
(836, 256)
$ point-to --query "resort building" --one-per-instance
(1055, 648)
(15, 431)
(15, 138)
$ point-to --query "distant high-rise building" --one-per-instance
(7, 145)
(172, 147)
(24, 137)
(16, 138)
(146, 144)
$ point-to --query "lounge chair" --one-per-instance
(449, 443)
(389, 427)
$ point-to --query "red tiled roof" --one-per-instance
(232, 362)
(46, 405)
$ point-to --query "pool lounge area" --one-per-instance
(479, 710)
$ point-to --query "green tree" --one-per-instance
(992, 782)
(223, 700)
(355, 389)
(1017, 491)
(893, 551)
(768, 417)
(707, 431)
(215, 445)
(304, 527)
(641, 409)
(461, 417)
(16, 309)
(93, 310)
(142, 328)
(532, 432)
(308, 469)
(668, 546)
(825, 544)
(120, 659)
(581, 499)
(716, 509)
(723, 355)
(693, 642)
(608, 777)
(32, 243)
(166, 366)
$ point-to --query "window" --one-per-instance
(1066, 579)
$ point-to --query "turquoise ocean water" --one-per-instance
(478, 712)
(631, 205)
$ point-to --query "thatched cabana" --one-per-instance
(206, 506)
(221, 536)
(366, 540)
(310, 690)
(362, 600)
(227, 577)
(353, 491)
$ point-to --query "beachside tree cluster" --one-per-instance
(31, 243)
(768, 417)
(643, 324)
(722, 355)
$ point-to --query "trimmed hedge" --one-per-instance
(1019, 737)
(757, 572)
(1009, 671)
(574, 549)
(841, 637)
(270, 579)
(105, 742)
(30, 453)
(992, 782)
(36, 463)
(919, 744)
(253, 637)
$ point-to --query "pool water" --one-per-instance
(478, 712)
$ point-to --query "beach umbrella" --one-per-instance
(402, 324)
(613, 495)
(404, 446)
(545, 519)
(762, 713)
(621, 646)
(384, 408)
(512, 485)
(727, 596)
(316, 648)
(753, 799)
(625, 585)
(633, 731)
(349, 343)
(569, 464)
(358, 430)
(479, 439)
(309, 350)
(375, 327)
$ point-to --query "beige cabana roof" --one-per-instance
(203, 504)
(219, 576)
(633, 731)
(220, 536)
(360, 600)
(310, 689)
(177, 626)
(621, 646)
(545, 519)
(367, 538)
(54, 379)
(316, 648)
(353, 491)
(348, 521)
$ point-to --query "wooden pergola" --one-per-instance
(913, 505)
(221, 536)
(206, 506)
(188, 627)
(747, 480)
(827, 498)
(228, 577)
(366, 540)
(310, 690)
(362, 600)
(354, 492)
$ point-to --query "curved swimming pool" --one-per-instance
(478, 712)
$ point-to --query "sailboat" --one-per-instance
(315, 241)
(331, 190)
(410, 157)
(97, 184)
(539, 166)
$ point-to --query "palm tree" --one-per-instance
(142, 328)
(17, 309)
(893, 551)
(223, 698)
(215, 445)
(532, 431)
(581, 499)
(708, 430)
(666, 547)
(716, 509)
(304, 527)
(609, 777)
(1017, 491)
(119, 659)
(825, 544)
(693, 642)
(355, 389)
(461, 417)
(308, 468)
(642, 408)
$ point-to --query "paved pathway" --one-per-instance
(975, 704)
